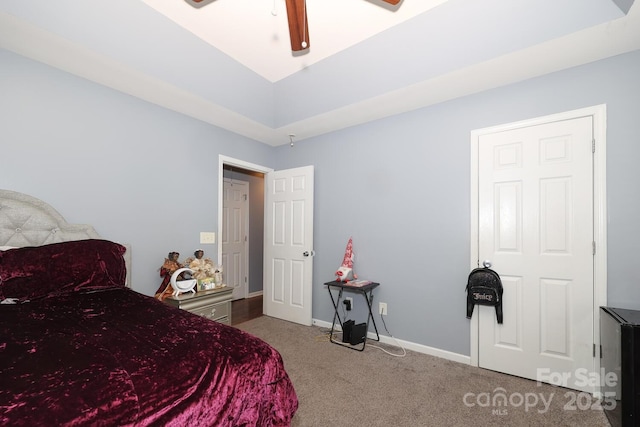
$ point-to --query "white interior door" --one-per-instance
(234, 236)
(288, 245)
(535, 191)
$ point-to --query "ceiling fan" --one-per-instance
(297, 17)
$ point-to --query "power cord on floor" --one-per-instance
(404, 351)
(325, 336)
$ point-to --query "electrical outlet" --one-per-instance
(207, 237)
(383, 308)
(349, 303)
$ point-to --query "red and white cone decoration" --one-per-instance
(345, 272)
(347, 261)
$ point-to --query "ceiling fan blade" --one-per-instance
(298, 25)
(393, 2)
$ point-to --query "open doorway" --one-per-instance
(287, 262)
(243, 230)
(238, 172)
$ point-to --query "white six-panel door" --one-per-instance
(234, 236)
(535, 191)
(288, 246)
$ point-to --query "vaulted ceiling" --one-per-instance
(229, 62)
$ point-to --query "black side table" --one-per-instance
(367, 292)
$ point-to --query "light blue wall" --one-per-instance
(399, 186)
(139, 173)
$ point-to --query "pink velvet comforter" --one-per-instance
(114, 357)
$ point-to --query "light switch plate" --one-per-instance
(207, 237)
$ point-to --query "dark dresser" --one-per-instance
(620, 363)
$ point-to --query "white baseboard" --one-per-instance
(419, 348)
(254, 294)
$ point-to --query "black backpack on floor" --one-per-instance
(484, 287)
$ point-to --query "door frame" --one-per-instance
(599, 114)
(230, 161)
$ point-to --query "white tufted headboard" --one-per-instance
(27, 221)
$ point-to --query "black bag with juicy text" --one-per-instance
(484, 287)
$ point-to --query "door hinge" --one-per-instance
(245, 197)
(597, 347)
(593, 145)
(593, 247)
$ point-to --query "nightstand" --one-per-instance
(367, 292)
(214, 304)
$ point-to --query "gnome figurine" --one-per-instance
(345, 272)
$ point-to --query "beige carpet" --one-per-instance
(337, 386)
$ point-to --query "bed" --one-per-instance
(79, 347)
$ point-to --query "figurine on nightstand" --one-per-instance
(203, 270)
(171, 264)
